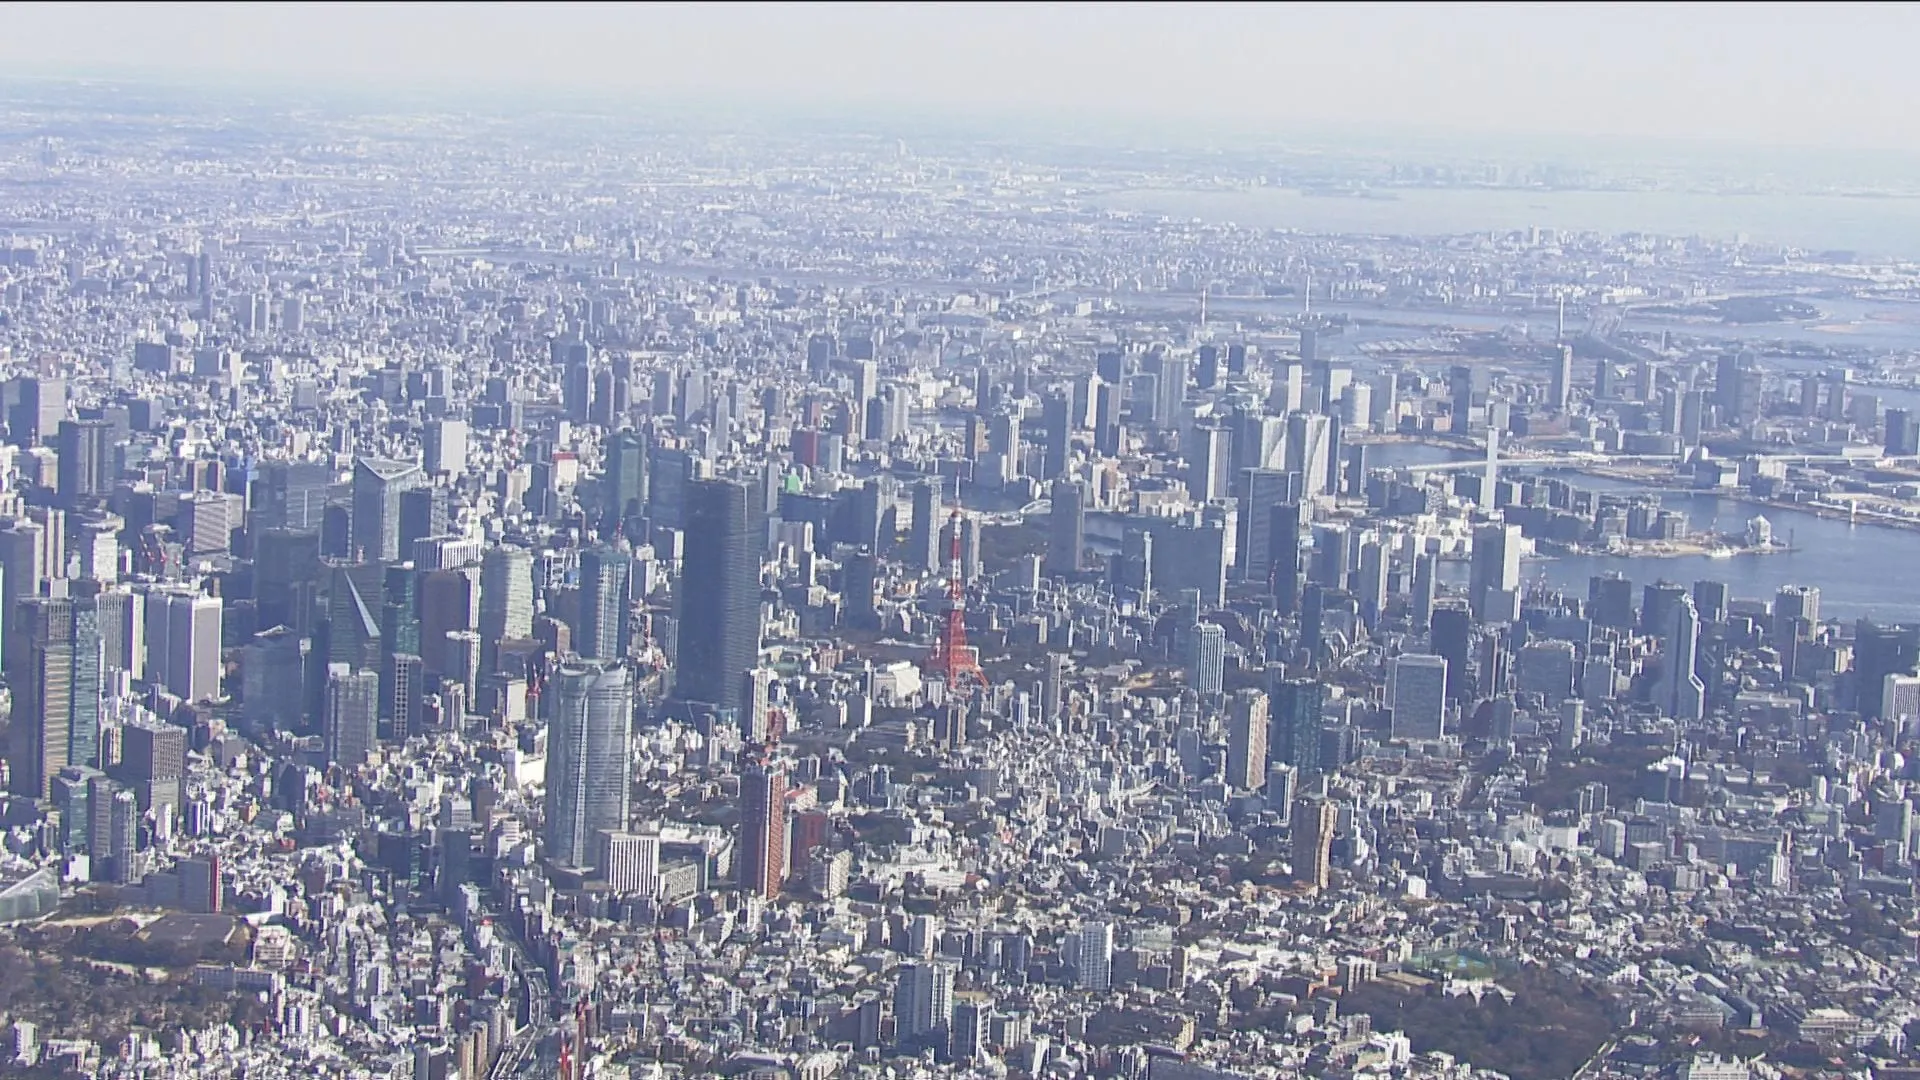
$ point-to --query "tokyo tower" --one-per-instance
(952, 658)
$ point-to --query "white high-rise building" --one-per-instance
(1094, 968)
(631, 862)
(183, 643)
(1495, 568)
(1206, 657)
(444, 447)
(923, 1002)
(1900, 697)
(1308, 439)
(1289, 388)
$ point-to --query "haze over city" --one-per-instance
(1835, 75)
(1084, 542)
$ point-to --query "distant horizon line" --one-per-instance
(1070, 126)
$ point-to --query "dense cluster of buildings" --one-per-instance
(811, 610)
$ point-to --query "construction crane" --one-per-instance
(573, 1064)
(536, 685)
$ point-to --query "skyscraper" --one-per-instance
(1420, 598)
(1209, 464)
(350, 718)
(1295, 723)
(377, 487)
(1793, 606)
(1369, 583)
(589, 746)
(1610, 601)
(86, 466)
(1711, 598)
(403, 682)
(1247, 740)
(123, 843)
(1878, 652)
(506, 598)
(924, 552)
(1314, 821)
(1417, 694)
(1467, 386)
(1678, 691)
(1309, 451)
(22, 559)
(292, 494)
(1056, 415)
(153, 761)
(444, 447)
(1560, 385)
(603, 603)
(1261, 491)
(763, 829)
(1329, 565)
(1283, 555)
(1066, 527)
(42, 405)
(183, 642)
(448, 604)
(718, 601)
(967, 1040)
(355, 603)
(1053, 689)
(1495, 567)
(624, 485)
(56, 686)
(1093, 969)
(1206, 657)
(923, 1003)
(859, 590)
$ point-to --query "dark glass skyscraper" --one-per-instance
(1880, 651)
(1283, 555)
(923, 549)
(1066, 527)
(56, 691)
(624, 487)
(1296, 724)
(603, 603)
(719, 600)
(1056, 415)
(1451, 637)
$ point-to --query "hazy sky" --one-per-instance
(1836, 75)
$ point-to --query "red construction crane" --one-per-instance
(573, 1051)
(536, 685)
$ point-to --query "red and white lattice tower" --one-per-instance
(952, 658)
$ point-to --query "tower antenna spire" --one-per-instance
(952, 657)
